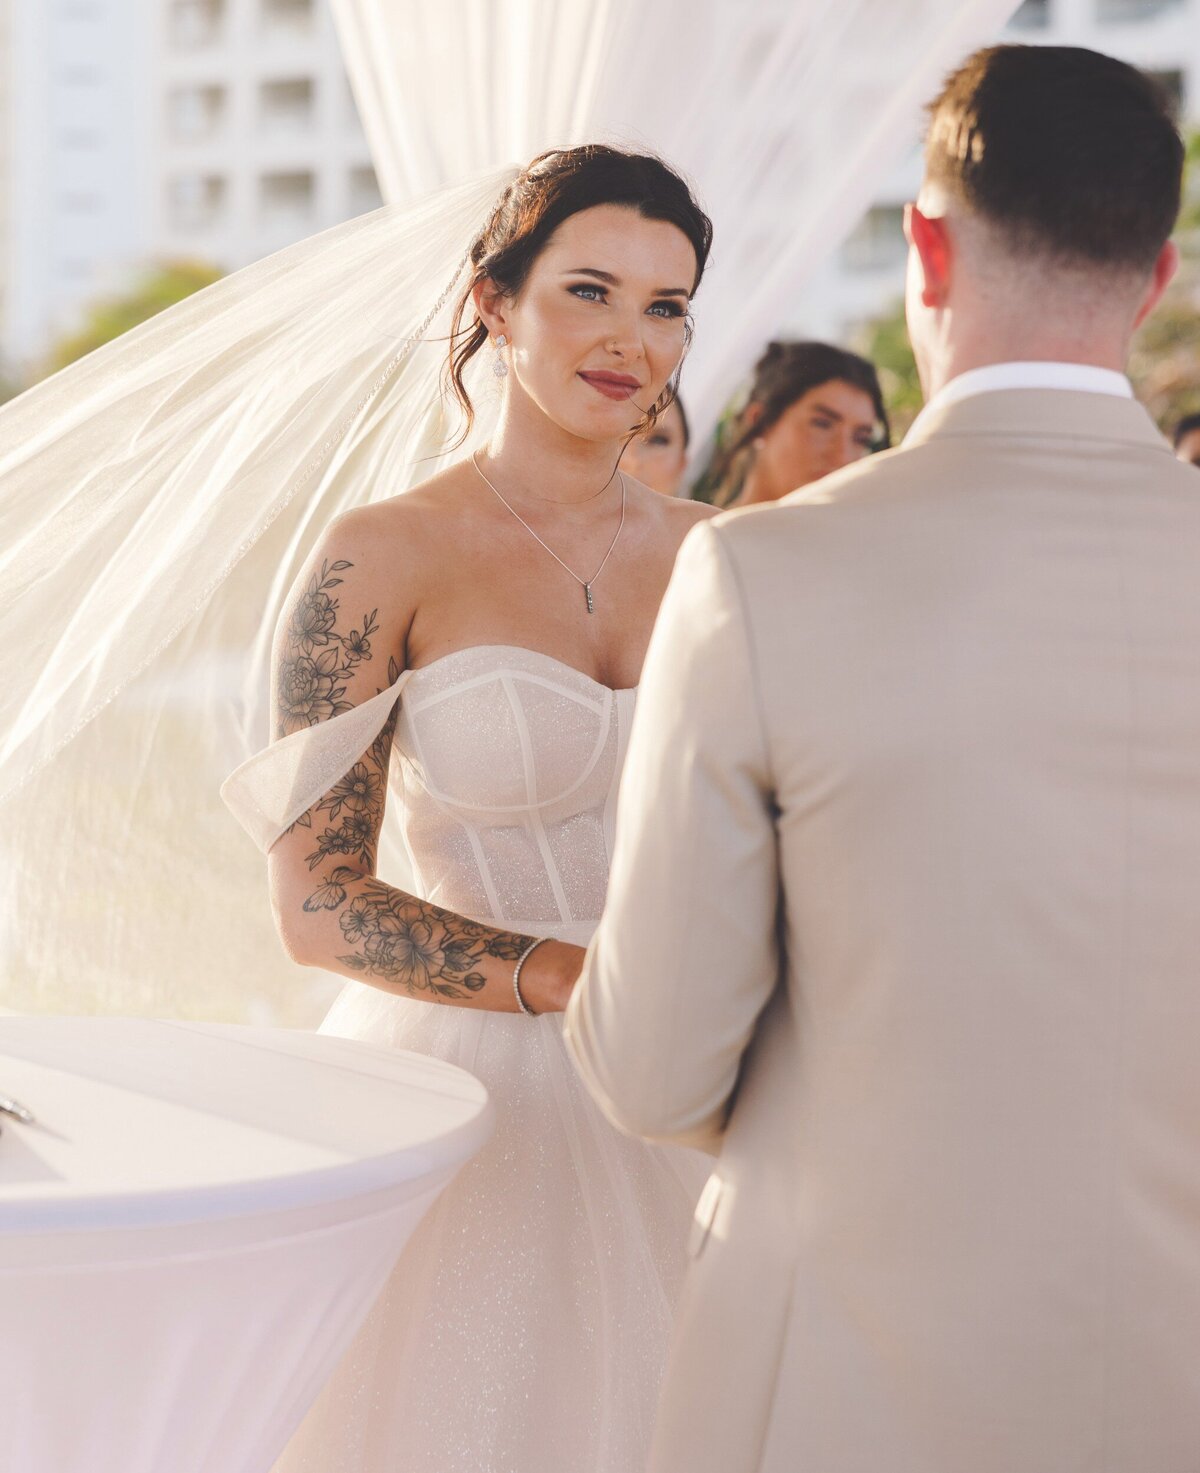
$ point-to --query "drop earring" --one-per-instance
(499, 366)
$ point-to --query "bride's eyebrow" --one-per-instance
(611, 280)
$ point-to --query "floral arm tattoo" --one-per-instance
(408, 942)
(391, 937)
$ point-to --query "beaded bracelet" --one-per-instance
(521, 960)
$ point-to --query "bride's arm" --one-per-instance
(341, 641)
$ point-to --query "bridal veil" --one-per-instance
(158, 498)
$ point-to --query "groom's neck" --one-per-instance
(1057, 323)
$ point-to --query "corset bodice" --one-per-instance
(504, 778)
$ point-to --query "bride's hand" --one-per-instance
(549, 976)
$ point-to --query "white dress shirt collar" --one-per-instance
(1077, 377)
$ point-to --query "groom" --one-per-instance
(905, 913)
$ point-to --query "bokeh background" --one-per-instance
(149, 146)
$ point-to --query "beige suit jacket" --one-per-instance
(905, 922)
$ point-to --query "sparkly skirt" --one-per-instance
(525, 1327)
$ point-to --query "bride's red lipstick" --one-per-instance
(611, 385)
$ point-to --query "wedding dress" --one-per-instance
(525, 1328)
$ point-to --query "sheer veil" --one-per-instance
(159, 498)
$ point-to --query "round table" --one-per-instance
(195, 1227)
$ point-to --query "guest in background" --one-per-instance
(657, 458)
(813, 409)
(1187, 439)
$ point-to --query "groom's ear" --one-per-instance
(930, 239)
(491, 304)
(1165, 268)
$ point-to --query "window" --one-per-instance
(877, 243)
(196, 201)
(287, 198)
(196, 22)
(1133, 10)
(195, 112)
(287, 107)
(288, 17)
(364, 190)
(1033, 15)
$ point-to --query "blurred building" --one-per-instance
(140, 130)
(259, 139)
(864, 278)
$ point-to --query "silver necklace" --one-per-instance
(584, 583)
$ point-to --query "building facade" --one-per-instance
(136, 131)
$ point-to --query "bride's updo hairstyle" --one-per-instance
(555, 186)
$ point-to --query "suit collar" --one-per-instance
(1050, 414)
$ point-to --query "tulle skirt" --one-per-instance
(525, 1327)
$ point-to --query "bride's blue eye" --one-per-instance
(670, 309)
(598, 293)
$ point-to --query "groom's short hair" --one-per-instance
(1072, 155)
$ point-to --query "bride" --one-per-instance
(478, 641)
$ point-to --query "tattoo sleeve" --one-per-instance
(409, 943)
(385, 935)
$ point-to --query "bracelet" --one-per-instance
(521, 960)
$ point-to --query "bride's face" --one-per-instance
(598, 327)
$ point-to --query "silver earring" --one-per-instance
(499, 366)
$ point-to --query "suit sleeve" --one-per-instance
(686, 956)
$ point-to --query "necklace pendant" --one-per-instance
(587, 590)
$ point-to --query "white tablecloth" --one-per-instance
(195, 1227)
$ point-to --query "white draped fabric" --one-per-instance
(157, 499)
(196, 1225)
(785, 114)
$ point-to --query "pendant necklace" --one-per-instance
(584, 583)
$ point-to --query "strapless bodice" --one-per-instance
(504, 783)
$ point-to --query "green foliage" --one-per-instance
(706, 487)
(158, 289)
(885, 342)
(1165, 362)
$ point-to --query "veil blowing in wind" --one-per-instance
(157, 498)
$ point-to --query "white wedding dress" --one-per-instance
(525, 1328)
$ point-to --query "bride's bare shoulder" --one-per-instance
(398, 529)
(376, 562)
(673, 516)
(686, 514)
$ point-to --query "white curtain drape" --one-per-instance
(150, 517)
(786, 114)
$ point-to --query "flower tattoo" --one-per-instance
(395, 938)
(419, 946)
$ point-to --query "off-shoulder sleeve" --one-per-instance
(270, 790)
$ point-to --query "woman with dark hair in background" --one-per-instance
(813, 408)
(1186, 439)
(657, 457)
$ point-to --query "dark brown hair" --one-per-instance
(1186, 426)
(785, 373)
(555, 186)
(1073, 154)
